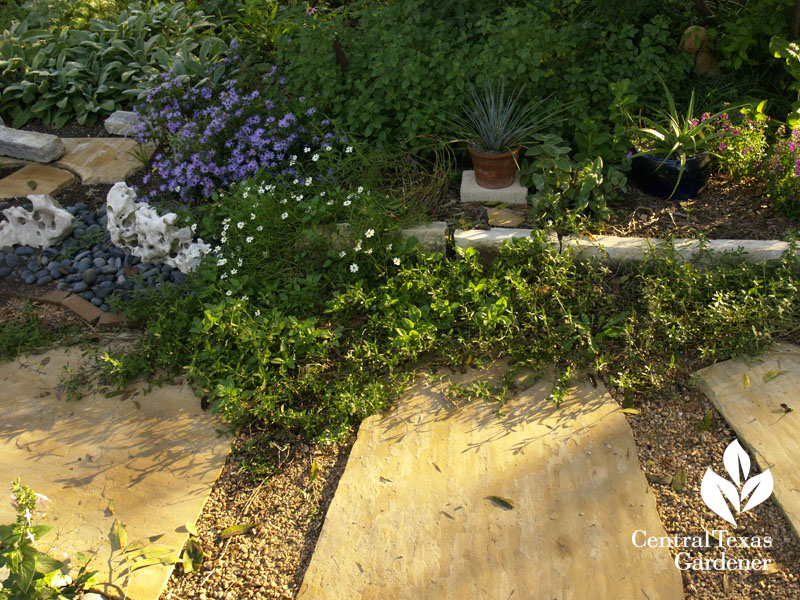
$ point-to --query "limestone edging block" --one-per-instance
(29, 145)
(49, 180)
(101, 160)
(121, 122)
(156, 455)
(760, 422)
(472, 192)
(411, 519)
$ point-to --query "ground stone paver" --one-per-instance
(412, 518)
(49, 180)
(101, 160)
(760, 400)
(151, 457)
(502, 217)
(30, 145)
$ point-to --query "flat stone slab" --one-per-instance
(29, 145)
(487, 240)
(432, 237)
(472, 192)
(755, 407)
(412, 517)
(49, 180)
(502, 217)
(147, 459)
(101, 160)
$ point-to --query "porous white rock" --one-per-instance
(154, 238)
(46, 224)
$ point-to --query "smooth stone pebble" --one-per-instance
(88, 295)
(102, 220)
(62, 285)
(166, 269)
(25, 273)
(84, 264)
(108, 270)
(5, 272)
(104, 307)
(79, 287)
(44, 260)
(116, 252)
(12, 260)
(116, 261)
(99, 262)
(177, 276)
(96, 301)
(50, 251)
(72, 210)
(30, 279)
(103, 292)
(44, 280)
(80, 206)
(106, 284)
(23, 251)
(83, 254)
(150, 273)
(93, 227)
(121, 279)
(90, 276)
(4, 205)
(73, 278)
(78, 231)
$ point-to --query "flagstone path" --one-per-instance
(148, 459)
(478, 501)
(760, 400)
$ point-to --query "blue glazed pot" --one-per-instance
(657, 176)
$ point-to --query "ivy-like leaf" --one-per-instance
(119, 536)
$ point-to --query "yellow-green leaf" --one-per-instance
(770, 375)
(148, 562)
(119, 537)
(745, 381)
(630, 411)
(192, 556)
(191, 529)
(148, 552)
(314, 470)
(679, 479)
(236, 530)
(501, 502)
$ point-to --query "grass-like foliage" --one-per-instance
(27, 333)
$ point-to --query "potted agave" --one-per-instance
(496, 126)
(675, 150)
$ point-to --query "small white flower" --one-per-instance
(354, 268)
(396, 261)
(369, 233)
(28, 516)
(346, 203)
(293, 157)
(223, 276)
(295, 181)
(306, 149)
(389, 247)
(260, 228)
(342, 254)
(252, 216)
(322, 194)
(368, 251)
(309, 181)
(223, 239)
(240, 224)
(360, 189)
(315, 158)
(194, 227)
(257, 313)
(284, 201)
(221, 262)
(285, 216)
(328, 148)
(228, 293)
(358, 246)
(245, 298)
(234, 271)
(239, 263)
(348, 150)
(216, 249)
(249, 239)
(329, 203)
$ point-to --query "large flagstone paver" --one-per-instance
(101, 160)
(147, 459)
(412, 516)
(760, 400)
(49, 180)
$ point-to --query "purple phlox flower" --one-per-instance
(311, 10)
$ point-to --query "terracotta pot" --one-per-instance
(494, 171)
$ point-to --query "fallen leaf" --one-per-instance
(630, 411)
(314, 470)
(192, 556)
(679, 480)
(745, 381)
(110, 507)
(659, 479)
(148, 552)
(236, 530)
(770, 375)
(44, 361)
(501, 502)
(31, 184)
(148, 562)
(191, 528)
(772, 568)
(119, 537)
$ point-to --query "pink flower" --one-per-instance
(311, 10)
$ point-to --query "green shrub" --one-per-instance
(408, 63)
(60, 74)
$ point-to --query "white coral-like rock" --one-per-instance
(148, 235)
(45, 225)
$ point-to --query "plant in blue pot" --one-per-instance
(674, 150)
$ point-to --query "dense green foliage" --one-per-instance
(28, 334)
(408, 63)
(57, 74)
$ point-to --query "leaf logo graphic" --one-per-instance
(718, 492)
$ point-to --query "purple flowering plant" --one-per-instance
(743, 149)
(782, 170)
(209, 137)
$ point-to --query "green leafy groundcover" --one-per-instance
(324, 370)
